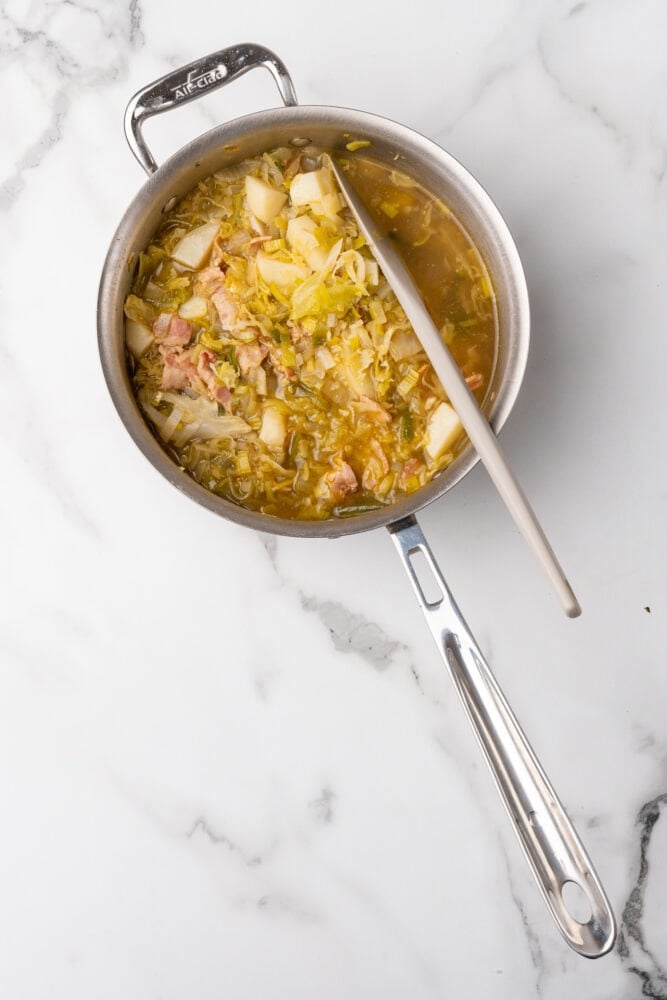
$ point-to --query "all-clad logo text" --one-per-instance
(194, 83)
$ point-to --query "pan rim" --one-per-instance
(156, 191)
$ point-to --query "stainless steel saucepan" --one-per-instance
(545, 833)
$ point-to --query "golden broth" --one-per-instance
(446, 266)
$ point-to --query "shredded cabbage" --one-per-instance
(283, 373)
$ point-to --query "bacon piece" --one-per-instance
(206, 370)
(409, 469)
(179, 369)
(161, 326)
(211, 282)
(226, 307)
(173, 377)
(221, 394)
(475, 381)
(276, 357)
(250, 356)
(180, 332)
(341, 482)
(372, 409)
(171, 330)
(180, 372)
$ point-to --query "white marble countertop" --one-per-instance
(270, 790)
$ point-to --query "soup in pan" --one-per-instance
(271, 357)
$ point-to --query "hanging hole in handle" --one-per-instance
(429, 587)
(576, 902)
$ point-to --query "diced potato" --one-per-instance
(317, 258)
(274, 428)
(301, 236)
(138, 338)
(282, 273)
(404, 344)
(372, 271)
(442, 430)
(263, 200)
(330, 205)
(325, 359)
(194, 308)
(257, 378)
(313, 186)
(195, 247)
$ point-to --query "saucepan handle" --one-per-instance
(549, 841)
(193, 81)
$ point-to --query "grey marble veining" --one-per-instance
(638, 958)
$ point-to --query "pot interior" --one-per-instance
(329, 128)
